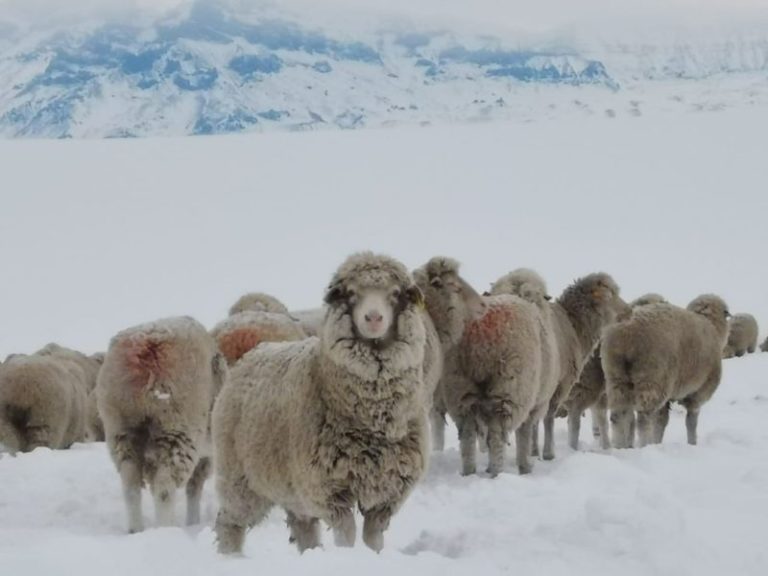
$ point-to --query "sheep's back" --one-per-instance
(504, 342)
(159, 371)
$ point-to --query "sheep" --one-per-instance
(321, 425)
(528, 285)
(90, 366)
(42, 403)
(589, 390)
(661, 354)
(245, 330)
(154, 393)
(742, 336)
(492, 355)
(574, 321)
(258, 302)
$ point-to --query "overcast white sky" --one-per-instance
(533, 15)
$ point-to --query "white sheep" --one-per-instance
(530, 286)
(326, 424)
(662, 354)
(258, 302)
(154, 393)
(742, 336)
(90, 367)
(589, 390)
(492, 354)
(42, 403)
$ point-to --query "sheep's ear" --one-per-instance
(334, 293)
(415, 296)
(547, 297)
(486, 293)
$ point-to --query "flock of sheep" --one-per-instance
(326, 411)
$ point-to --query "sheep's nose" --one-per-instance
(373, 317)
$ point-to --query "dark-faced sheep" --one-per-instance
(154, 394)
(742, 336)
(492, 355)
(320, 426)
(662, 354)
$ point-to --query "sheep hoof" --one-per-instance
(525, 469)
(469, 470)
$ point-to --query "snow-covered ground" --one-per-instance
(663, 510)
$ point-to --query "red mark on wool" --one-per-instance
(146, 360)
(495, 322)
(236, 343)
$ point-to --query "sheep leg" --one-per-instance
(600, 416)
(535, 439)
(344, 529)
(240, 509)
(437, 420)
(597, 431)
(124, 448)
(574, 426)
(163, 490)
(376, 521)
(468, 445)
(549, 436)
(37, 437)
(195, 490)
(496, 446)
(645, 419)
(171, 458)
(522, 446)
(10, 437)
(482, 438)
(691, 422)
(131, 478)
(623, 431)
(305, 531)
(660, 424)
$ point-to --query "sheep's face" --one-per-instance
(603, 293)
(374, 308)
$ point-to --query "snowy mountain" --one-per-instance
(212, 70)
